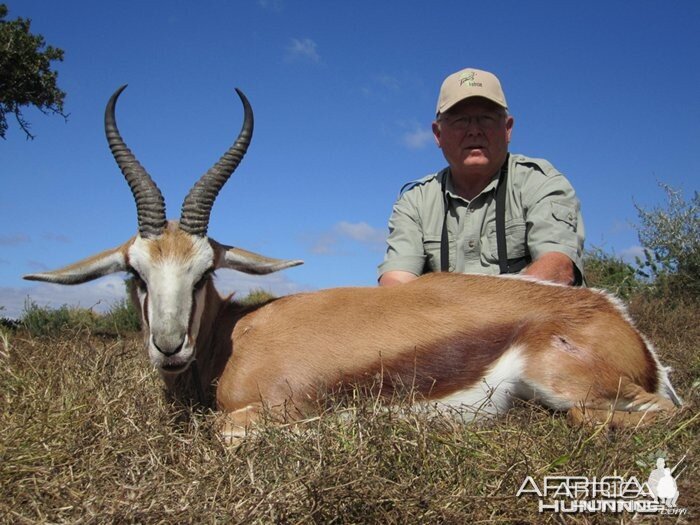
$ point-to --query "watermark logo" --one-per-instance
(608, 494)
(662, 484)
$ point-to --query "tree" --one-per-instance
(671, 240)
(26, 78)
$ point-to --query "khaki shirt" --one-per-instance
(542, 215)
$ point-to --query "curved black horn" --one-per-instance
(196, 209)
(150, 206)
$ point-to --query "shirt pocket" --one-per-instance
(516, 239)
(431, 246)
(565, 215)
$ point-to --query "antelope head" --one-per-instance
(170, 261)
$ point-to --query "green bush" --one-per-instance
(610, 273)
(41, 321)
(121, 318)
(670, 236)
(257, 296)
(6, 323)
(670, 268)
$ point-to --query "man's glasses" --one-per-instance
(462, 122)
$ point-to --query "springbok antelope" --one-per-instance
(457, 340)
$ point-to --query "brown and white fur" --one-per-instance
(464, 341)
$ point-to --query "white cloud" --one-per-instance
(418, 138)
(630, 253)
(327, 243)
(389, 82)
(100, 295)
(303, 49)
(275, 6)
(361, 232)
(619, 226)
(381, 86)
(230, 281)
(56, 237)
(14, 239)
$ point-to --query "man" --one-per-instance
(448, 221)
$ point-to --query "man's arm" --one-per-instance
(552, 266)
(555, 227)
(405, 256)
(393, 277)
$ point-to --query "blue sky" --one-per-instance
(343, 94)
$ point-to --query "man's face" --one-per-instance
(474, 137)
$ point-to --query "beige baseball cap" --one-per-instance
(470, 83)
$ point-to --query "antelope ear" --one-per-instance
(249, 262)
(109, 261)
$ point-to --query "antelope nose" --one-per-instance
(167, 349)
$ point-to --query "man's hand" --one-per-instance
(552, 266)
(393, 277)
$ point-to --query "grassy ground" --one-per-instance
(87, 437)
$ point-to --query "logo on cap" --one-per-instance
(469, 77)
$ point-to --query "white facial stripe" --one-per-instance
(173, 307)
(145, 314)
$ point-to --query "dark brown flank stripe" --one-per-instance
(438, 370)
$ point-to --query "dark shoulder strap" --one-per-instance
(444, 238)
(505, 265)
(501, 218)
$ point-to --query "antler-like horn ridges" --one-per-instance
(196, 209)
(150, 205)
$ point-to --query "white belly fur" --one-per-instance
(495, 392)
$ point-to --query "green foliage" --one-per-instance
(41, 321)
(121, 318)
(26, 78)
(670, 236)
(8, 324)
(610, 273)
(257, 296)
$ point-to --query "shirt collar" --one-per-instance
(450, 189)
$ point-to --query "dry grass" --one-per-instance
(86, 436)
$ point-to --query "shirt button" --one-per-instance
(471, 244)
